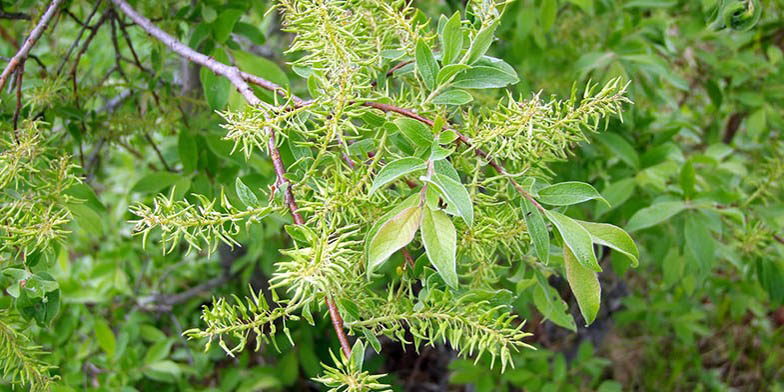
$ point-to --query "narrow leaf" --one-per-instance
(456, 194)
(576, 237)
(479, 77)
(568, 193)
(537, 230)
(585, 286)
(393, 235)
(481, 42)
(453, 97)
(395, 170)
(452, 39)
(426, 64)
(440, 239)
(552, 307)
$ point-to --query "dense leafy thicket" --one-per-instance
(358, 195)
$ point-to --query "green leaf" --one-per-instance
(415, 131)
(440, 239)
(537, 231)
(188, 151)
(552, 307)
(585, 286)
(250, 32)
(395, 170)
(392, 235)
(613, 237)
(245, 194)
(260, 66)
(568, 193)
(620, 147)
(482, 42)
(155, 182)
(426, 64)
(547, 12)
(456, 194)
(451, 39)
(163, 371)
(576, 237)
(480, 77)
(699, 242)
(688, 179)
(216, 88)
(453, 97)
(655, 214)
(616, 194)
(358, 354)
(450, 70)
(224, 24)
(105, 337)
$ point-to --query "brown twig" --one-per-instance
(408, 258)
(32, 38)
(19, 78)
(157, 152)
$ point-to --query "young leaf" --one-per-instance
(482, 42)
(426, 64)
(537, 230)
(585, 286)
(479, 77)
(576, 237)
(613, 237)
(451, 39)
(655, 214)
(440, 239)
(455, 97)
(568, 193)
(456, 194)
(395, 170)
(358, 354)
(416, 132)
(393, 234)
(245, 194)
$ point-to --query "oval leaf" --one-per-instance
(440, 239)
(568, 193)
(585, 286)
(395, 170)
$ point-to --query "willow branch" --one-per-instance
(35, 34)
(238, 80)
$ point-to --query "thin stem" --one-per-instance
(19, 78)
(35, 34)
(337, 324)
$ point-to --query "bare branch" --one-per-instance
(35, 34)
